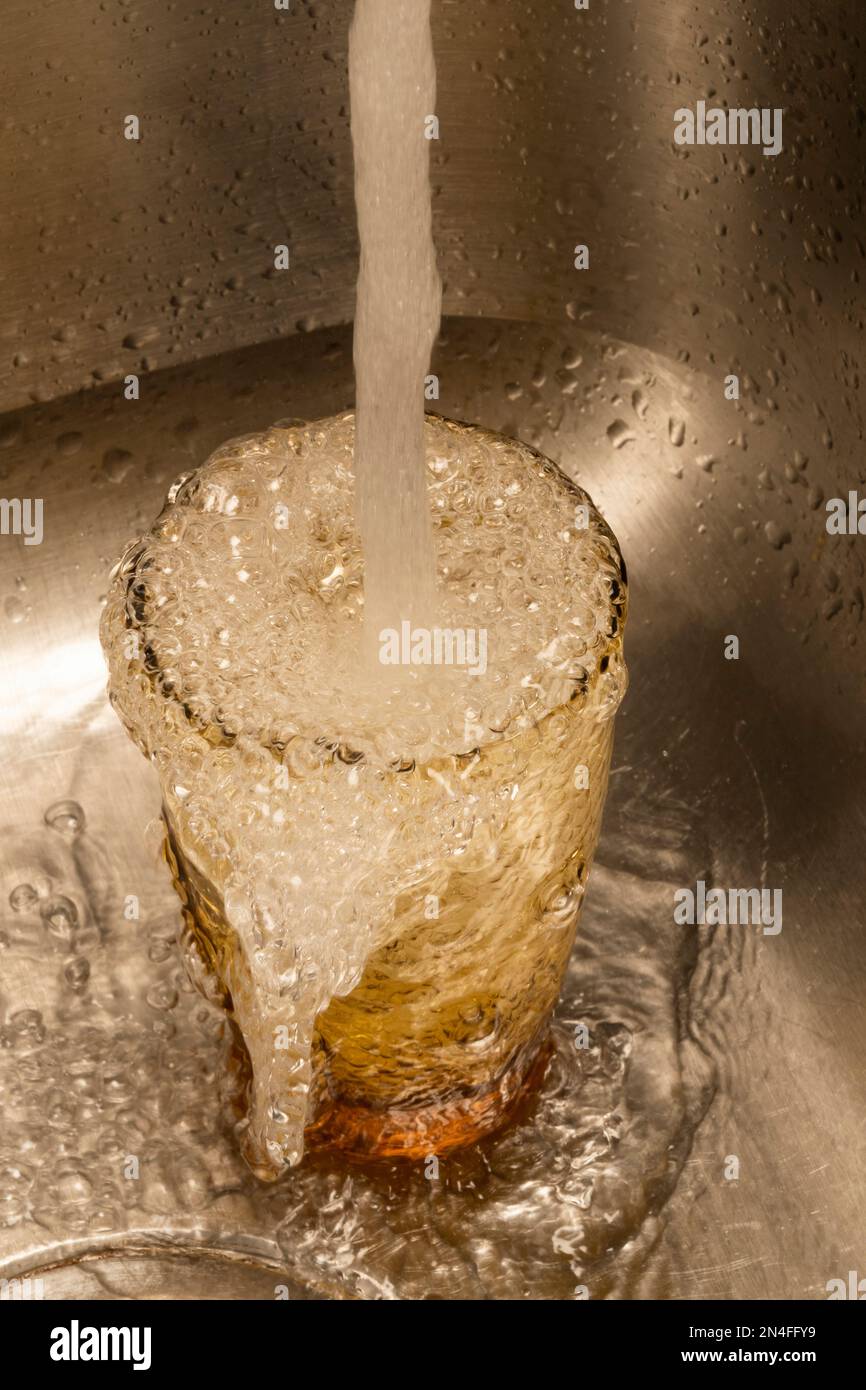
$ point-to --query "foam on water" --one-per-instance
(251, 589)
(233, 635)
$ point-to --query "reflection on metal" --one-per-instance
(705, 263)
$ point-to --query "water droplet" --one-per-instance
(619, 434)
(777, 535)
(116, 463)
(14, 609)
(69, 443)
(141, 338)
(10, 433)
(831, 607)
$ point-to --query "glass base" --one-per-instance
(418, 1132)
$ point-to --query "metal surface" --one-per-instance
(556, 129)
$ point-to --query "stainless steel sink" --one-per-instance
(155, 258)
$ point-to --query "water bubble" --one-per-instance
(66, 817)
(160, 948)
(478, 1025)
(26, 1026)
(24, 898)
(16, 1182)
(612, 1126)
(60, 915)
(617, 1042)
(72, 1185)
(77, 973)
(162, 996)
(560, 907)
